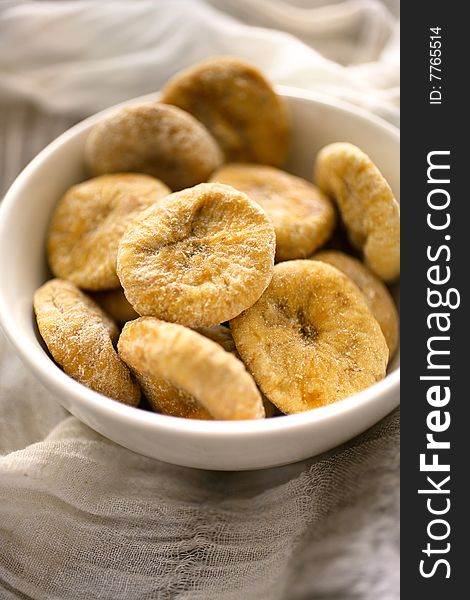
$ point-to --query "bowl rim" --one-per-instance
(46, 370)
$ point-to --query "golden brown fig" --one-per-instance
(237, 105)
(80, 337)
(192, 364)
(310, 340)
(199, 258)
(366, 203)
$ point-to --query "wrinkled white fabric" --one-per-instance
(81, 517)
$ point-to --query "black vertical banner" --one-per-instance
(435, 397)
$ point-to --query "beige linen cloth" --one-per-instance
(83, 518)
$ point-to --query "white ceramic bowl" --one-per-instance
(235, 445)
